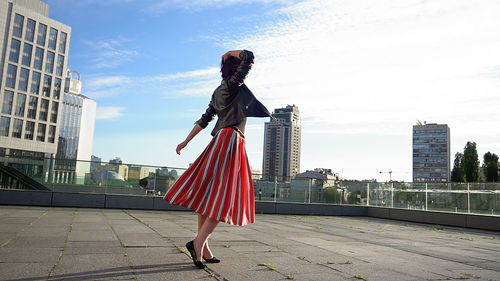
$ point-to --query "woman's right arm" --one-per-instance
(241, 73)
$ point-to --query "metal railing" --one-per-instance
(62, 175)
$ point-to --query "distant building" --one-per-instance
(95, 162)
(138, 172)
(33, 58)
(116, 160)
(76, 133)
(282, 137)
(431, 153)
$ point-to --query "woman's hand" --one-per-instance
(180, 147)
(234, 53)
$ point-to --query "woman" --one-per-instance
(218, 185)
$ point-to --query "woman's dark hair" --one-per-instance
(228, 67)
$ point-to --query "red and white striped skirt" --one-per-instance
(219, 183)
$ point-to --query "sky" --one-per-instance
(361, 73)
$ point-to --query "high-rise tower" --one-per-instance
(33, 58)
(76, 132)
(282, 138)
(431, 153)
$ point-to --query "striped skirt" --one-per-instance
(219, 183)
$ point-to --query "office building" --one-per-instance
(431, 152)
(33, 58)
(76, 133)
(138, 172)
(282, 136)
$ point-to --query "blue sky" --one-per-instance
(361, 72)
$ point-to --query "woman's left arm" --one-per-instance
(198, 126)
(196, 129)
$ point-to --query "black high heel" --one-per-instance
(212, 260)
(190, 247)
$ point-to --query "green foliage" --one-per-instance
(290, 277)
(332, 195)
(181, 249)
(271, 266)
(457, 173)
(470, 163)
(490, 166)
(360, 277)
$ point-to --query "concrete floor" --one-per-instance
(39, 243)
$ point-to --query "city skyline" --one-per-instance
(362, 74)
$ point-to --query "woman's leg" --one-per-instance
(204, 232)
(207, 253)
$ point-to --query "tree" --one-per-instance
(490, 166)
(470, 163)
(457, 174)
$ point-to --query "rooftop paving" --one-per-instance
(39, 243)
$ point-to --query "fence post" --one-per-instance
(468, 197)
(368, 194)
(426, 196)
(392, 195)
(275, 187)
(310, 183)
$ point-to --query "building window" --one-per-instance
(40, 136)
(62, 42)
(26, 60)
(20, 105)
(44, 109)
(42, 33)
(11, 76)
(32, 105)
(35, 82)
(18, 26)
(29, 130)
(15, 46)
(59, 65)
(17, 128)
(4, 126)
(53, 112)
(57, 88)
(23, 79)
(8, 97)
(49, 62)
(52, 38)
(30, 30)
(52, 134)
(47, 81)
(38, 58)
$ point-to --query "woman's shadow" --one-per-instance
(118, 272)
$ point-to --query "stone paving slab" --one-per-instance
(38, 243)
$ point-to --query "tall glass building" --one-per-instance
(431, 153)
(76, 133)
(282, 137)
(33, 58)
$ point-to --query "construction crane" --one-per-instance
(388, 172)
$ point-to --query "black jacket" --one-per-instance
(232, 101)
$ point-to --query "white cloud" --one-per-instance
(111, 52)
(109, 112)
(157, 7)
(109, 81)
(354, 66)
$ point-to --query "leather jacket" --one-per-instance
(232, 101)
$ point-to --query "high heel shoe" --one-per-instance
(212, 260)
(190, 248)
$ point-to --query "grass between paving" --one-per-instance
(61, 254)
